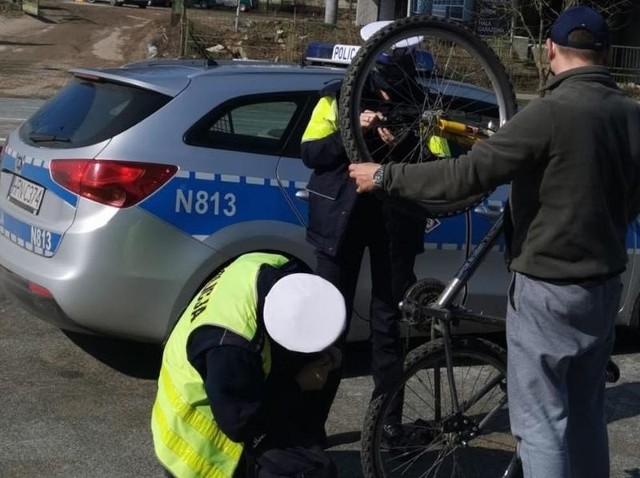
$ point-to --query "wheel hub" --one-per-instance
(460, 428)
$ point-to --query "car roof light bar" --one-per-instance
(330, 53)
(341, 55)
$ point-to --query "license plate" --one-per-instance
(26, 194)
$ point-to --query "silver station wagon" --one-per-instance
(129, 188)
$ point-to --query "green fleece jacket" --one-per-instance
(573, 161)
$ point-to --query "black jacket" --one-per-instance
(332, 193)
(332, 197)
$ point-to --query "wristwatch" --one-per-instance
(378, 176)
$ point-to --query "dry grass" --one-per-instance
(258, 36)
(632, 89)
(279, 36)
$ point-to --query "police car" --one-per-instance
(132, 186)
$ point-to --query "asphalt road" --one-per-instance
(13, 112)
(79, 407)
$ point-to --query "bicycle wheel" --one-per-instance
(412, 431)
(439, 88)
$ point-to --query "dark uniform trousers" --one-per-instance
(392, 252)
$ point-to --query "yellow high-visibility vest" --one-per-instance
(324, 122)
(324, 119)
(439, 146)
(186, 437)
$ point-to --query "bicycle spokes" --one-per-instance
(433, 438)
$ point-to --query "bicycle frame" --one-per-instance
(444, 312)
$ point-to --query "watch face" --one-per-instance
(378, 176)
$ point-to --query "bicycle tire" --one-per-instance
(468, 50)
(442, 444)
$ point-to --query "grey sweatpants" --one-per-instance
(559, 338)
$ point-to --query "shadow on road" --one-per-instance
(136, 359)
(622, 401)
(142, 360)
(347, 462)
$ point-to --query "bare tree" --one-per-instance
(533, 18)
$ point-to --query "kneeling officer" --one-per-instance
(240, 369)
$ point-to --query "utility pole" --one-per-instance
(386, 10)
(331, 12)
(176, 11)
(237, 22)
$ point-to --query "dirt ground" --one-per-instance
(35, 53)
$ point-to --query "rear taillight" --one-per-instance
(39, 290)
(115, 183)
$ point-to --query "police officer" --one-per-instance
(342, 224)
(237, 368)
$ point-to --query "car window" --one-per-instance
(259, 124)
(87, 112)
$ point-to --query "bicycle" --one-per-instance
(453, 392)
(448, 415)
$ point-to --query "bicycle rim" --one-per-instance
(428, 439)
(449, 74)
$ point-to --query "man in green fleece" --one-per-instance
(573, 161)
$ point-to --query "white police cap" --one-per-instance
(304, 313)
(370, 29)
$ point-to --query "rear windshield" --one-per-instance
(88, 112)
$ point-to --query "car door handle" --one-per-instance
(489, 211)
(302, 194)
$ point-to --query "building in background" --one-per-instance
(460, 10)
(483, 16)
(495, 18)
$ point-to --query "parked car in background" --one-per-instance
(160, 3)
(125, 192)
(244, 4)
(119, 3)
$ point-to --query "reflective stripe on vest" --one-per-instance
(324, 120)
(186, 437)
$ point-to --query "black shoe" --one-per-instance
(415, 434)
(320, 439)
(612, 372)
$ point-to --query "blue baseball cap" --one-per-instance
(580, 18)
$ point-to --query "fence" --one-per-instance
(625, 63)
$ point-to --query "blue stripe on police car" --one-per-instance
(34, 239)
(200, 204)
